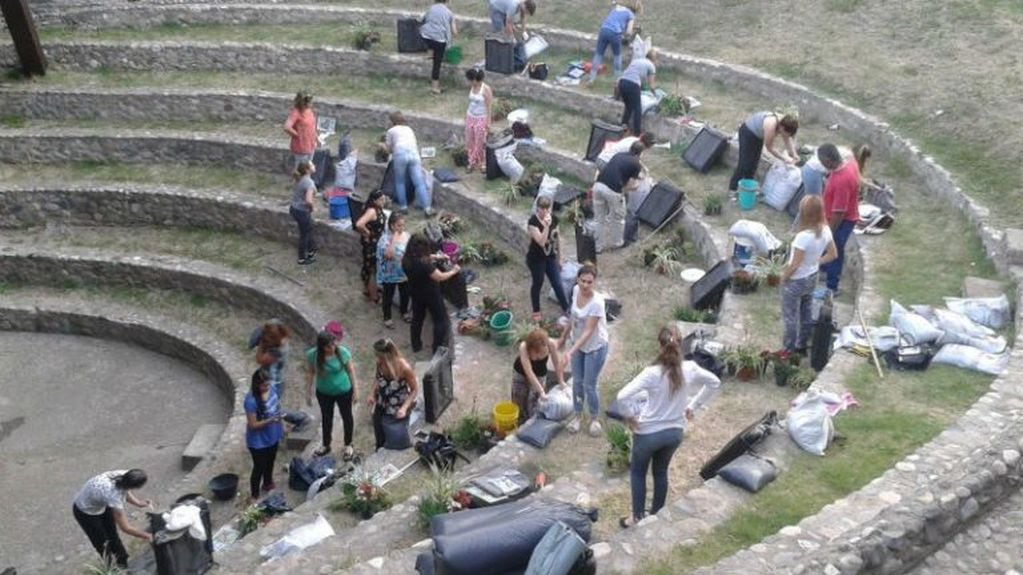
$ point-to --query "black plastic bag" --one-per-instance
(178, 553)
(301, 474)
(396, 433)
(275, 504)
(539, 432)
(749, 472)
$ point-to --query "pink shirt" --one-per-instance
(842, 192)
(303, 122)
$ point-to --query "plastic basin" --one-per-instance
(224, 486)
(339, 208)
(501, 320)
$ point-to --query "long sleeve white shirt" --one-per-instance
(664, 409)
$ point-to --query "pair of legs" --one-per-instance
(389, 299)
(538, 269)
(524, 396)
(609, 214)
(297, 159)
(796, 311)
(633, 115)
(586, 367)
(657, 449)
(476, 141)
(604, 39)
(262, 469)
(344, 405)
(498, 20)
(834, 269)
(439, 316)
(368, 273)
(750, 149)
(437, 49)
(102, 533)
(407, 164)
(306, 245)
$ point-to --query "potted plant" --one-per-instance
(784, 365)
(619, 448)
(664, 260)
(365, 38)
(468, 432)
(363, 497)
(730, 360)
(690, 315)
(442, 496)
(744, 282)
(749, 364)
(772, 267)
(450, 224)
(712, 205)
(802, 378)
(250, 520)
(460, 157)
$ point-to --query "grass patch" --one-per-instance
(12, 121)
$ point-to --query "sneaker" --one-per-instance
(322, 450)
(389, 324)
(348, 453)
(428, 212)
(595, 428)
(407, 318)
(403, 210)
(311, 254)
(573, 426)
(306, 261)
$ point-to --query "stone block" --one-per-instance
(1014, 246)
(202, 442)
(299, 440)
(980, 287)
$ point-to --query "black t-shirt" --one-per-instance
(549, 249)
(623, 167)
(420, 283)
(539, 367)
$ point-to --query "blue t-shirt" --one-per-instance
(271, 434)
(617, 20)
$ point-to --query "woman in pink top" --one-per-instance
(301, 126)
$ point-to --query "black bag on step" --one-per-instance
(585, 246)
(538, 71)
(820, 338)
(178, 553)
(707, 292)
(706, 149)
(494, 170)
(409, 39)
(660, 204)
(600, 133)
(740, 444)
(500, 56)
(325, 172)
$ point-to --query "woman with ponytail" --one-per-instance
(301, 210)
(675, 389)
(263, 431)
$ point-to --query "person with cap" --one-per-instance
(301, 126)
(841, 206)
(400, 141)
(370, 226)
(330, 365)
(99, 510)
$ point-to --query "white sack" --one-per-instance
(558, 405)
(346, 170)
(972, 358)
(990, 311)
(298, 538)
(809, 423)
(988, 344)
(509, 165)
(914, 327)
(780, 184)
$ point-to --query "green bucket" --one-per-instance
(501, 320)
(453, 55)
(504, 338)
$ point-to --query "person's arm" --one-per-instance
(309, 197)
(591, 326)
(790, 145)
(130, 498)
(122, 523)
(770, 132)
(310, 375)
(454, 28)
(289, 124)
(559, 368)
(831, 254)
(350, 368)
(709, 387)
(630, 27)
(540, 235)
(797, 260)
(638, 385)
(439, 276)
(253, 423)
(837, 216)
(413, 390)
(651, 81)
(527, 370)
(367, 216)
(488, 99)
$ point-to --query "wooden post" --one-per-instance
(26, 39)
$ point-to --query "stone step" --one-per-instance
(202, 442)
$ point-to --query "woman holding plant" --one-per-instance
(812, 247)
(529, 372)
(675, 390)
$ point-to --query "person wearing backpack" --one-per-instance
(620, 22)
(330, 365)
(437, 31)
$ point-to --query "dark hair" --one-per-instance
(394, 219)
(670, 356)
(397, 118)
(303, 99)
(374, 197)
(323, 339)
(789, 123)
(303, 168)
(418, 247)
(258, 379)
(637, 148)
(647, 138)
(587, 269)
(829, 155)
(131, 479)
(530, 6)
(474, 74)
(274, 332)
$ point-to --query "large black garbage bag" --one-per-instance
(178, 553)
(505, 541)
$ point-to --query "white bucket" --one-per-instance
(534, 46)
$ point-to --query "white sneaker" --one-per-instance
(573, 426)
(595, 428)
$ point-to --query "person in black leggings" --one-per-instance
(437, 31)
(630, 87)
(263, 430)
(331, 366)
(424, 279)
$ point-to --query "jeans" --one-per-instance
(304, 220)
(344, 405)
(388, 299)
(797, 311)
(609, 215)
(439, 316)
(438, 56)
(102, 533)
(750, 148)
(633, 115)
(834, 269)
(658, 448)
(547, 266)
(498, 20)
(604, 39)
(585, 371)
(406, 164)
(262, 468)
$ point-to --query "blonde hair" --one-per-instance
(536, 340)
(387, 351)
(811, 215)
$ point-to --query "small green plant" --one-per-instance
(103, 567)
(250, 519)
(500, 108)
(771, 268)
(664, 260)
(744, 282)
(468, 432)
(749, 363)
(619, 448)
(460, 157)
(510, 194)
(365, 38)
(802, 378)
(442, 496)
(712, 205)
(362, 497)
(672, 105)
(12, 121)
(688, 314)
(469, 253)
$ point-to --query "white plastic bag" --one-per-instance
(298, 539)
(640, 46)
(548, 189)
(557, 406)
(809, 423)
(346, 170)
(780, 184)
(914, 327)
(990, 311)
(508, 163)
(987, 344)
(534, 46)
(757, 233)
(972, 358)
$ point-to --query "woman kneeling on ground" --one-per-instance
(529, 372)
(330, 365)
(395, 389)
(657, 431)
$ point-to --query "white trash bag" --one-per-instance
(992, 312)
(558, 405)
(298, 539)
(972, 358)
(780, 184)
(548, 189)
(509, 164)
(809, 423)
(987, 344)
(914, 327)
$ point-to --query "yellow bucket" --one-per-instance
(506, 417)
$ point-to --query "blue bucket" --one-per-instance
(339, 208)
(748, 194)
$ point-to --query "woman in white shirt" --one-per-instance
(675, 389)
(811, 248)
(588, 352)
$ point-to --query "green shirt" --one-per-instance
(333, 378)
